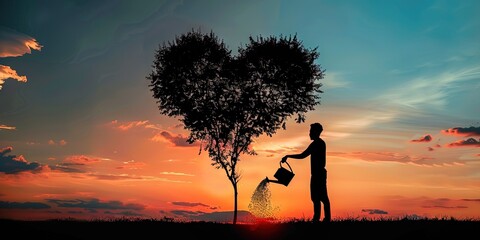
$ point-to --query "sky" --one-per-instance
(82, 137)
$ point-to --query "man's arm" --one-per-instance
(302, 155)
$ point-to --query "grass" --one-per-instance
(348, 228)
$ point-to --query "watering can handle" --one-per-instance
(287, 164)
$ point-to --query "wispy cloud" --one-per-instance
(76, 163)
(128, 125)
(81, 160)
(190, 204)
(444, 203)
(431, 90)
(93, 204)
(418, 160)
(101, 176)
(14, 44)
(426, 202)
(375, 211)
(60, 142)
(65, 167)
(428, 91)
(334, 80)
(417, 96)
(160, 134)
(131, 165)
(131, 177)
(176, 140)
(5, 127)
(23, 205)
(471, 199)
(177, 174)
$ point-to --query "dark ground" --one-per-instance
(156, 229)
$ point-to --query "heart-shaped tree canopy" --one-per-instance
(217, 94)
(225, 101)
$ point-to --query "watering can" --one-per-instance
(283, 175)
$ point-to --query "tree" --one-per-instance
(226, 101)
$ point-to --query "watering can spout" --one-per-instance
(270, 180)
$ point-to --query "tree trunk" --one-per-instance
(235, 194)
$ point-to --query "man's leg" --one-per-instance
(325, 199)
(326, 208)
(316, 211)
(315, 197)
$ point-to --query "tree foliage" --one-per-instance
(226, 101)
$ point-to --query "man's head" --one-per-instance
(315, 130)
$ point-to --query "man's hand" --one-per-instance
(284, 159)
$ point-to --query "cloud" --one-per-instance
(190, 204)
(471, 200)
(426, 138)
(408, 100)
(129, 177)
(80, 160)
(471, 142)
(271, 151)
(431, 90)
(177, 174)
(96, 204)
(445, 207)
(177, 141)
(3, 126)
(461, 131)
(14, 44)
(75, 163)
(386, 157)
(61, 142)
(23, 205)
(134, 124)
(334, 80)
(6, 72)
(116, 176)
(374, 211)
(160, 135)
(443, 203)
(431, 203)
(131, 165)
(12, 164)
(128, 125)
(65, 167)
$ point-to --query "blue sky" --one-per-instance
(395, 71)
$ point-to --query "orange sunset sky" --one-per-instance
(81, 135)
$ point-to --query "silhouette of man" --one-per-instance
(318, 180)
